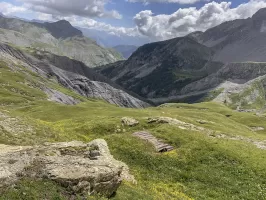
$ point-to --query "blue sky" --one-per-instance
(155, 19)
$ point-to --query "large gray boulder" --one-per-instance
(85, 169)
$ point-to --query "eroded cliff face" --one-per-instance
(71, 74)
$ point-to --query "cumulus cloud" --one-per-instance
(187, 20)
(93, 24)
(84, 8)
(166, 1)
(7, 8)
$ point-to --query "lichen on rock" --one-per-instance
(68, 164)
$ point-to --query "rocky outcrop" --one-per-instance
(71, 74)
(175, 122)
(56, 96)
(85, 169)
(128, 121)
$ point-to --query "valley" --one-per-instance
(179, 119)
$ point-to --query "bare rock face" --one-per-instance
(70, 74)
(85, 169)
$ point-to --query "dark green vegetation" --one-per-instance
(201, 166)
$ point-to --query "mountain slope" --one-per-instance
(71, 74)
(211, 65)
(59, 38)
(212, 142)
(240, 40)
(162, 68)
(126, 50)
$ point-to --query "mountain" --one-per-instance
(126, 50)
(67, 132)
(239, 40)
(71, 74)
(48, 149)
(225, 63)
(60, 29)
(162, 68)
(59, 38)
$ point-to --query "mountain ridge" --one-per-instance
(40, 36)
(60, 29)
(164, 71)
(71, 74)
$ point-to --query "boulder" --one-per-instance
(128, 121)
(84, 169)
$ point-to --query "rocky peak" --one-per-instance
(259, 19)
(260, 14)
(61, 29)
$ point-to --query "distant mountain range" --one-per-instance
(59, 37)
(226, 63)
(54, 51)
(240, 40)
(106, 39)
(126, 50)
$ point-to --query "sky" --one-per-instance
(152, 19)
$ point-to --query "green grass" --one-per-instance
(200, 167)
(242, 98)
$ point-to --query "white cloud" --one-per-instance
(7, 8)
(166, 1)
(93, 24)
(155, 27)
(84, 8)
(186, 20)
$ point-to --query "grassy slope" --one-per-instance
(201, 167)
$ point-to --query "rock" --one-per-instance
(200, 121)
(60, 97)
(257, 128)
(176, 122)
(84, 169)
(129, 121)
